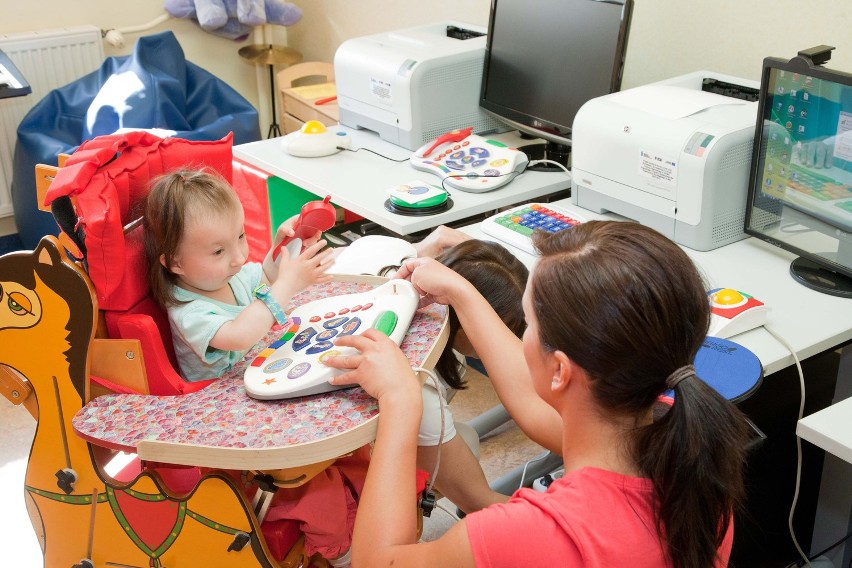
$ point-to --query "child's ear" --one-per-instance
(175, 267)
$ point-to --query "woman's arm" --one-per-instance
(386, 525)
(499, 349)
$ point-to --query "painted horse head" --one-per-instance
(47, 315)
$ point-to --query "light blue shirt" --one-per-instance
(195, 322)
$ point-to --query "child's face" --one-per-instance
(212, 251)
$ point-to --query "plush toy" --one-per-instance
(234, 19)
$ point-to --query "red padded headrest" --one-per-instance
(108, 177)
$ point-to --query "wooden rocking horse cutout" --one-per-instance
(83, 517)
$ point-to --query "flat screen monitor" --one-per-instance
(545, 58)
(800, 191)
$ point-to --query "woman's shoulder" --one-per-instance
(569, 518)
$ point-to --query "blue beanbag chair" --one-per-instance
(155, 87)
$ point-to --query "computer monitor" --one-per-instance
(800, 190)
(545, 58)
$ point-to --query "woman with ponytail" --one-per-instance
(615, 314)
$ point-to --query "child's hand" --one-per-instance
(287, 229)
(308, 268)
(380, 368)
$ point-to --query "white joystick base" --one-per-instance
(313, 140)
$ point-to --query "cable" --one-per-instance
(115, 36)
(798, 441)
(373, 152)
(447, 511)
(826, 549)
(434, 475)
(526, 465)
(552, 162)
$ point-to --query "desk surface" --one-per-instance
(809, 321)
(358, 181)
(830, 429)
(221, 426)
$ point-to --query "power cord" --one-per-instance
(539, 457)
(373, 152)
(798, 442)
(823, 551)
(551, 162)
(428, 495)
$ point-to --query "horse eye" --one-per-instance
(19, 303)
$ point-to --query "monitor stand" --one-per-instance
(815, 277)
(547, 151)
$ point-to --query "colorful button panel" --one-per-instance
(312, 340)
(295, 323)
(528, 219)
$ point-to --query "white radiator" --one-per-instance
(47, 59)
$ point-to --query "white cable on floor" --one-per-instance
(798, 441)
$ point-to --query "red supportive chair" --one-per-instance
(95, 199)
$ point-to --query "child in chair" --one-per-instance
(220, 306)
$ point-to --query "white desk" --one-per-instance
(810, 321)
(830, 429)
(358, 181)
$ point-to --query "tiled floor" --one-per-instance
(17, 429)
(500, 452)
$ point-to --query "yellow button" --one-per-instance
(727, 297)
(313, 127)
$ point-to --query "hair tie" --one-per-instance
(680, 374)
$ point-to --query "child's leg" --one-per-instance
(325, 506)
(460, 477)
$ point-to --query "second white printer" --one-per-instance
(669, 155)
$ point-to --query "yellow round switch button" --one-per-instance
(313, 127)
(728, 297)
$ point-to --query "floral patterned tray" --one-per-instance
(194, 429)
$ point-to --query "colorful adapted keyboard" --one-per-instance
(473, 164)
(516, 226)
(293, 365)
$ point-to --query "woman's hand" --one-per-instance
(380, 367)
(434, 281)
(440, 239)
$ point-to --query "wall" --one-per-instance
(667, 38)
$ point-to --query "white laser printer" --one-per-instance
(670, 155)
(412, 85)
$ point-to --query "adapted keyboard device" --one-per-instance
(733, 312)
(469, 162)
(293, 366)
(515, 226)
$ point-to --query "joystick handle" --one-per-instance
(452, 136)
(314, 216)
